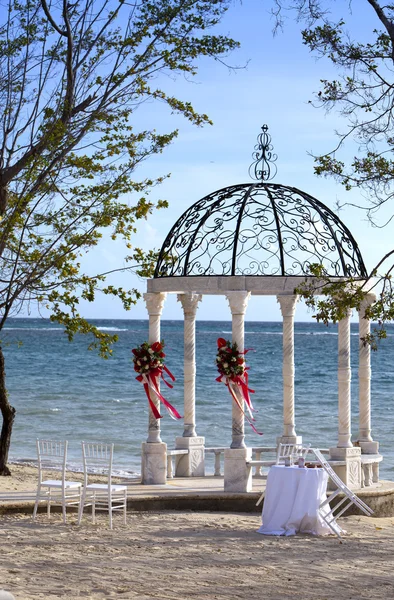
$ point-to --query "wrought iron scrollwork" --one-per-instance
(259, 229)
(263, 168)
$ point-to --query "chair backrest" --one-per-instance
(293, 451)
(52, 456)
(97, 459)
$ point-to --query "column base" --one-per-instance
(192, 464)
(153, 463)
(350, 472)
(238, 441)
(369, 447)
(189, 430)
(237, 475)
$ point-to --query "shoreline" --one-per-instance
(24, 478)
(72, 468)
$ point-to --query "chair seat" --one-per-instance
(104, 487)
(56, 483)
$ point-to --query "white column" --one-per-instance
(238, 302)
(364, 372)
(287, 308)
(189, 304)
(154, 451)
(154, 304)
(368, 446)
(193, 463)
(344, 379)
(237, 474)
(350, 456)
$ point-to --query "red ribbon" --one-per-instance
(242, 385)
(150, 381)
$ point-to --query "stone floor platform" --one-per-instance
(207, 494)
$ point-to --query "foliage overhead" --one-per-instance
(363, 93)
(72, 76)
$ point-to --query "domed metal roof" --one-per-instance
(261, 229)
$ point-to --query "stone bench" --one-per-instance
(170, 454)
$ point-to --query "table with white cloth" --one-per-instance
(292, 499)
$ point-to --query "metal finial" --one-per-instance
(263, 168)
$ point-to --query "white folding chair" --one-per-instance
(293, 451)
(52, 456)
(330, 515)
(97, 458)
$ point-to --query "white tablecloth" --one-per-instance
(292, 499)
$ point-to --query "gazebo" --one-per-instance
(259, 238)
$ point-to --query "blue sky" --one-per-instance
(274, 88)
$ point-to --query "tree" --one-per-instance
(72, 76)
(363, 94)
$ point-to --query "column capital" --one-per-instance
(238, 301)
(368, 299)
(189, 303)
(154, 302)
(287, 304)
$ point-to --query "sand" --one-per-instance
(186, 555)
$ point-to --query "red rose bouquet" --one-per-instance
(148, 362)
(229, 361)
(234, 374)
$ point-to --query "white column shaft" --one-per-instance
(287, 307)
(344, 379)
(364, 373)
(154, 303)
(238, 302)
(189, 304)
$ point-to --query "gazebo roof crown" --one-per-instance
(259, 229)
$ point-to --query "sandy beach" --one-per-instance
(208, 556)
(179, 555)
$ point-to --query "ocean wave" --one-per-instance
(319, 333)
(35, 412)
(112, 329)
(262, 332)
(247, 332)
(74, 467)
(33, 329)
(335, 333)
(27, 462)
(271, 332)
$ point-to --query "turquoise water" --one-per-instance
(62, 390)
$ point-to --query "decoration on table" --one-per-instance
(234, 374)
(148, 361)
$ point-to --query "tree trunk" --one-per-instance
(8, 413)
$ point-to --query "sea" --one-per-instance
(61, 390)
